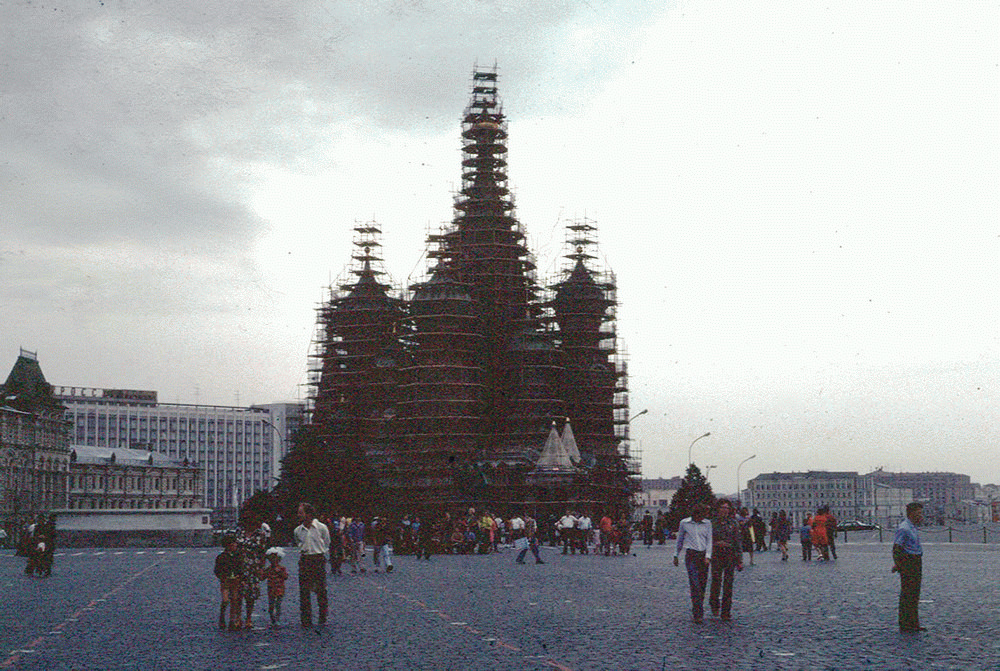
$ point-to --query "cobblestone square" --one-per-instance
(157, 609)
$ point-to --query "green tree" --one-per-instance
(261, 507)
(694, 489)
(334, 479)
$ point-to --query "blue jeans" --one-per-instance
(697, 570)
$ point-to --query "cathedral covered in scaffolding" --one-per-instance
(476, 386)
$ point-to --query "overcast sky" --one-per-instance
(800, 200)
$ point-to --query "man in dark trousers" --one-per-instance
(694, 536)
(907, 558)
(647, 529)
(313, 539)
(727, 556)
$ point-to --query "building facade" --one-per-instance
(34, 446)
(657, 493)
(105, 478)
(121, 497)
(285, 420)
(849, 496)
(945, 496)
(235, 448)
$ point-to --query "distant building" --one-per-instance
(103, 478)
(944, 495)
(657, 493)
(237, 449)
(988, 502)
(123, 497)
(34, 446)
(448, 390)
(850, 496)
(286, 419)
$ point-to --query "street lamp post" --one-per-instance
(276, 456)
(641, 412)
(709, 468)
(738, 490)
(704, 435)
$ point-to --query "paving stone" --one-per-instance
(148, 610)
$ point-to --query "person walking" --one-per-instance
(251, 542)
(647, 529)
(567, 532)
(694, 536)
(805, 537)
(313, 539)
(228, 570)
(337, 549)
(382, 545)
(907, 561)
(531, 538)
(759, 531)
(355, 535)
(425, 536)
(46, 533)
(727, 556)
(831, 533)
(819, 537)
(782, 529)
(607, 530)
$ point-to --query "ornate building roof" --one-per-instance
(26, 389)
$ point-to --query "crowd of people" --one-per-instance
(713, 543)
(335, 545)
(718, 539)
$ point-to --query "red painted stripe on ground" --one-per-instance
(15, 657)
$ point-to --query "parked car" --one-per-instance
(856, 525)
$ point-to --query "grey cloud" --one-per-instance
(153, 109)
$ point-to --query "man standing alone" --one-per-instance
(694, 536)
(907, 557)
(313, 539)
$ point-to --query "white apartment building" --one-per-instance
(238, 449)
(285, 420)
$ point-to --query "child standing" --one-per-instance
(228, 567)
(805, 537)
(276, 575)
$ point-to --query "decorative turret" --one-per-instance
(584, 310)
(359, 351)
(26, 389)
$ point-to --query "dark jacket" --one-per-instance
(228, 565)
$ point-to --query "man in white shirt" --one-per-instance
(313, 539)
(694, 536)
(567, 532)
(516, 527)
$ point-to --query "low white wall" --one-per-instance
(133, 520)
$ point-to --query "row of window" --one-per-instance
(131, 482)
(808, 486)
(128, 504)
